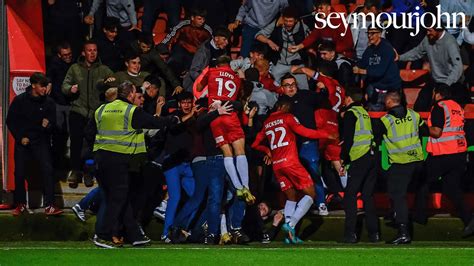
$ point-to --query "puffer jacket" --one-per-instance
(89, 81)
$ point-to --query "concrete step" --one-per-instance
(67, 227)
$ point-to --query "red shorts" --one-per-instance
(293, 176)
(227, 129)
(331, 151)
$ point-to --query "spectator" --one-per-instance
(456, 6)
(446, 66)
(267, 80)
(327, 51)
(206, 55)
(185, 39)
(359, 33)
(152, 87)
(150, 8)
(177, 159)
(279, 39)
(343, 40)
(56, 72)
(63, 19)
(132, 74)
(264, 98)
(31, 119)
(124, 10)
(382, 73)
(254, 16)
(209, 174)
(219, 12)
(240, 64)
(81, 84)
(111, 53)
(152, 62)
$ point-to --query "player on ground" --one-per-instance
(224, 85)
(280, 129)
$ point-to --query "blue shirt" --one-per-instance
(382, 71)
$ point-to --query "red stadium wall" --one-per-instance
(26, 55)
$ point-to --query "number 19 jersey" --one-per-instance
(223, 84)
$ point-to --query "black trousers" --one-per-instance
(361, 178)
(40, 152)
(451, 168)
(113, 178)
(77, 124)
(399, 177)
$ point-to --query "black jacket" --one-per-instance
(56, 72)
(110, 53)
(25, 116)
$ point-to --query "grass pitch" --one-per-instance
(310, 253)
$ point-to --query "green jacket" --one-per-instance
(89, 81)
(122, 76)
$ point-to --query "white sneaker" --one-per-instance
(323, 210)
(160, 211)
(165, 239)
(79, 212)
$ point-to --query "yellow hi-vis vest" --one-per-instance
(114, 129)
(402, 139)
(363, 136)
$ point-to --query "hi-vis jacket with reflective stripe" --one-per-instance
(363, 136)
(402, 138)
(453, 139)
(114, 129)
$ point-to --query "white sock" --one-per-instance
(230, 168)
(344, 180)
(289, 210)
(223, 224)
(303, 206)
(243, 169)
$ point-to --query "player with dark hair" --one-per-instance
(280, 131)
(224, 85)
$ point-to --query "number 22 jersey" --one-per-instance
(279, 129)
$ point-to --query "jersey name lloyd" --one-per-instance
(226, 74)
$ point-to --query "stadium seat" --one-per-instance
(353, 7)
(469, 111)
(339, 8)
(413, 81)
(159, 31)
(411, 94)
(414, 76)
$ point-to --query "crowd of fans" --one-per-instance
(97, 46)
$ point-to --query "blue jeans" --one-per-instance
(248, 39)
(236, 211)
(91, 198)
(180, 176)
(309, 155)
(209, 175)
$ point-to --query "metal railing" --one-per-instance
(4, 67)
